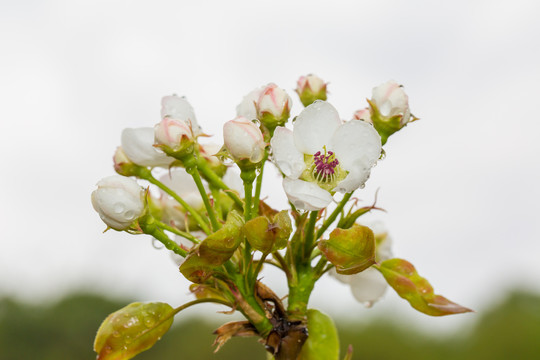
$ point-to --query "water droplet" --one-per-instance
(149, 321)
(157, 245)
(129, 215)
(116, 334)
(368, 304)
(362, 186)
(118, 208)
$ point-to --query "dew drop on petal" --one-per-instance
(118, 208)
(157, 245)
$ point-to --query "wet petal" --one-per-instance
(357, 146)
(368, 286)
(289, 160)
(138, 145)
(305, 195)
(314, 127)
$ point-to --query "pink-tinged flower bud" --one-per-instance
(122, 164)
(364, 115)
(310, 88)
(389, 109)
(173, 136)
(273, 107)
(208, 152)
(119, 201)
(177, 107)
(244, 140)
(138, 146)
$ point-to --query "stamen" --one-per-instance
(325, 166)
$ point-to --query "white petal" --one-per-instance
(179, 181)
(368, 286)
(233, 181)
(314, 127)
(344, 279)
(138, 145)
(305, 195)
(357, 146)
(179, 108)
(247, 107)
(289, 160)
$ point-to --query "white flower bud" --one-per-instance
(244, 140)
(310, 88)
(363, 115)
(173, 135)
(179, 108)
(391, 100)
(138, 145)
(119, 201)
(273, 106)
(248, 107)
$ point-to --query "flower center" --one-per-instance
(325, 167)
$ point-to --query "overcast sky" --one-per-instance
(460, 186)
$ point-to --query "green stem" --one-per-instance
(174, 230)
(334, 215)
(147, 175)
(200, 301)
(216, 181)
(309, 232)
(197, 178)
(318, 270)
(258, 186)
(150, 227)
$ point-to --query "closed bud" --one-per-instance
(243, 140)
(248, 107)
(119, 201)
(267, 236)
(273, 107)
(138, 146)
(122, 164)
(174, 137)
(310, 88)
(177, 107)
(389, 109)
(364, 115)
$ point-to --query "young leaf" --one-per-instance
(350, 250)
(132, 330)
(267, 236)
(218, 247)
(323, 340)
(402, 276)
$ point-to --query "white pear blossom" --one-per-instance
(119, 201)
(244, 140)
(323, 155)
(179, 108)
(391, 100)
(138, 146)
(173, 133)
(370, 285)
(248, 107)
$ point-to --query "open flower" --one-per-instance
(323, 155)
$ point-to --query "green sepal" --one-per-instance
(405, 280)
(385, 125)
(267, 236)
(213, 251)
(132, 330)
(350, 250)
(323, 341)
(308, 96)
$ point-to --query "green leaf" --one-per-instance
(267, 236)
(218, 247)
(132, 330)
(403, 278)
(323, 341)
(213, 251)
(350, 250)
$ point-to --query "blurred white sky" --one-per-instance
(460, 186)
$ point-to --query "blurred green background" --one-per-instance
(65, 330)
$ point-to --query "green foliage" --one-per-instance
(405, 280)
(132, 330)
(66, 331)
(350, 250)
